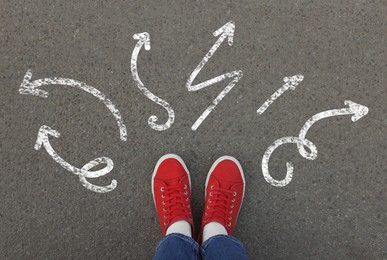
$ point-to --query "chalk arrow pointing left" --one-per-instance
(83, 173)
(224, 32)
(29, 87)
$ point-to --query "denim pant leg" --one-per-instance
(177, 246)
(223, 247)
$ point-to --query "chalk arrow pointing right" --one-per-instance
(83, 173)
(356, 110)
(290, 82)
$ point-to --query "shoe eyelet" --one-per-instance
(209, 201)
(186, 199)
(165, 224)
(208, 207)
(230, 218)
(212, 187)
(163, 202)
(162, 196)
(235, 194)
(185, 186)
(206, 214)
(229, 224)
(186, 193)
(164, 210)
(233, 200)
(211, 194)
(232, 206)
(230, 211)
(165, 217)
(162, 189)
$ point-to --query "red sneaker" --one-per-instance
(225, 189)
(171, 189)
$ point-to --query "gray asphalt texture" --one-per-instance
(334, 208)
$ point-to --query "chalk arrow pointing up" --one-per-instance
(29, 87)
(226, 31)
(83, 173)
(144, 40)
(356, 110)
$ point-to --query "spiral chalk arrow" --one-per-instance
(29, 87)
(83, 173)
(226, 31)
(144, 40)
(356, 110)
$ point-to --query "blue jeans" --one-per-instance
(180, 247)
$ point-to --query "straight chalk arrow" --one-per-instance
(290, 82)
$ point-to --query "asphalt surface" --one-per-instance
(335, 207)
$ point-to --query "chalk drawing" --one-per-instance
(144, 40)
(290, 82)
(29, 87)
(83, 173)
(356, 110)
(226, 31)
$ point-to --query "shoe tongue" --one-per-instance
(224, 184)
(173, 181)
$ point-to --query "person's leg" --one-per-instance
(224, 192)
(177, 246)
(171, 189)
(223, 247)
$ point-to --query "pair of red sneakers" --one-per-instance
(224, 192)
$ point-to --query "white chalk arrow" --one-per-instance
(29, 87)
(83, 173)
(289, 165)
(356, 110)
(290, 82)
(226, 31)
(144, 40)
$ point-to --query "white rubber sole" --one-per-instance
(164, 157)
(226, 157)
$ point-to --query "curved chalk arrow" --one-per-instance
(29, 87)
(289, 165)
(356, 110)
(144, 40)
(84, 172)
(290, 82)
(226, 31)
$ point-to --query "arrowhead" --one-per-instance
(358, 110)
(293, 81)
(43, 133)
(143, 38)
(28, 88)
(227, 29)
